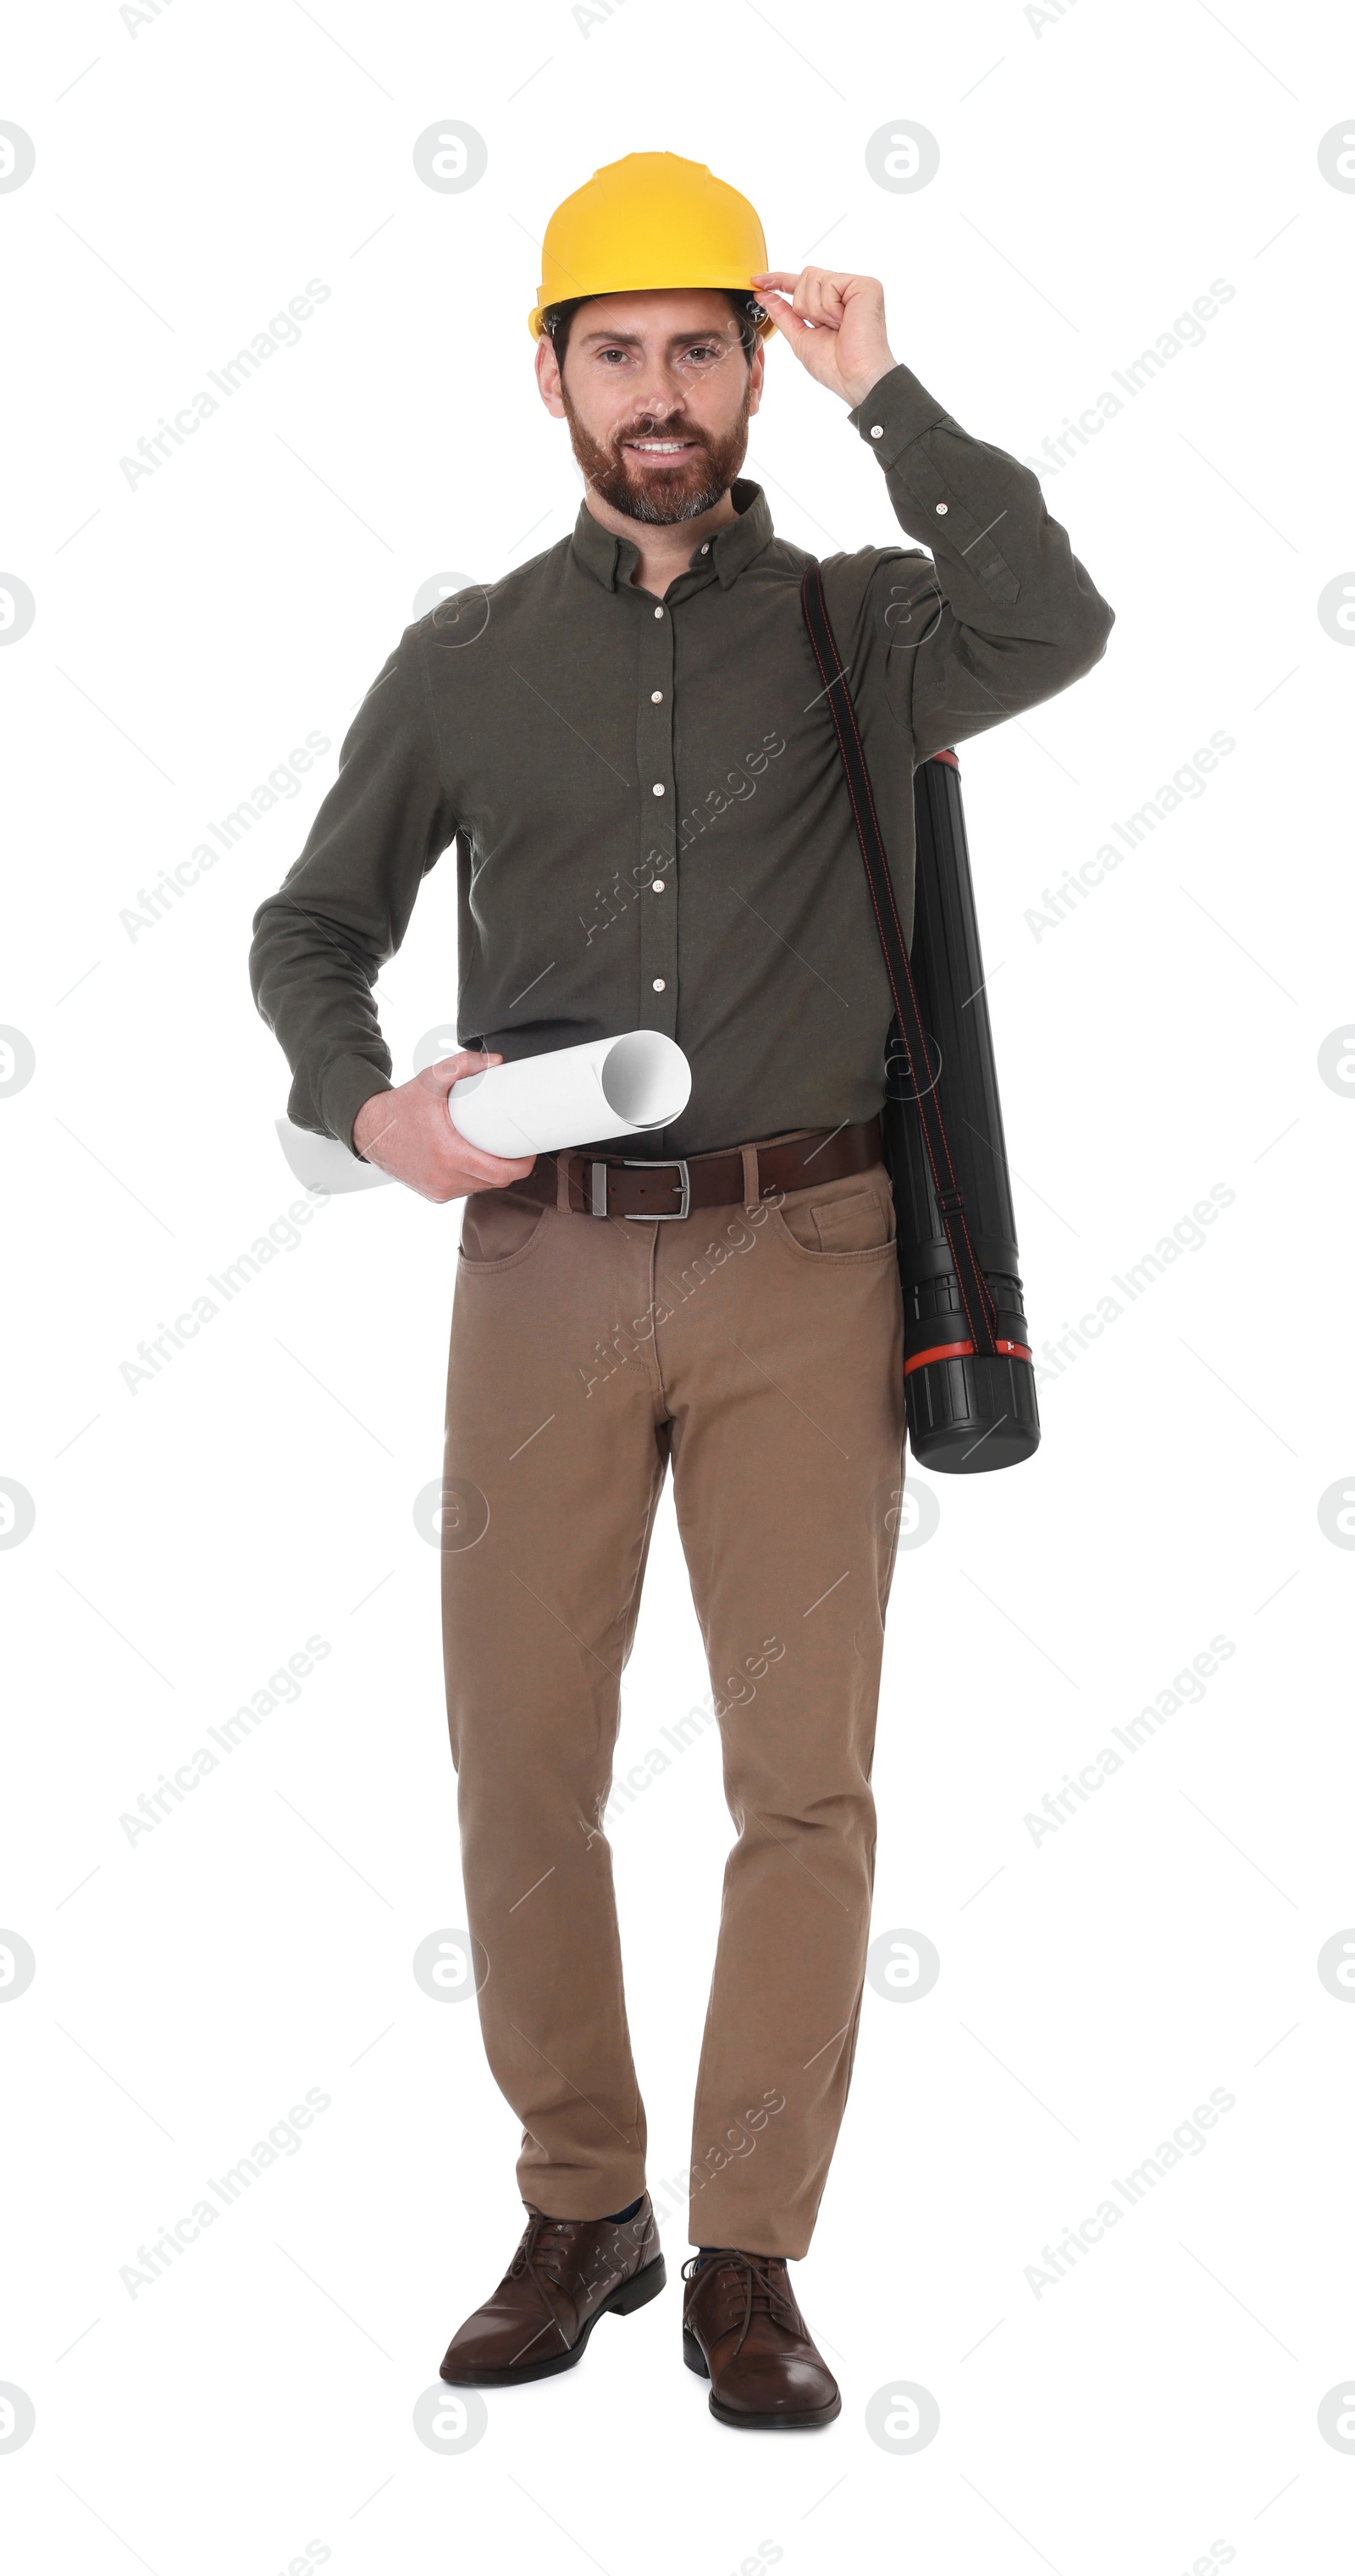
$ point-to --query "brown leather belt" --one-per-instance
(626, 1186)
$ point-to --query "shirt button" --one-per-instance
(877, 431)
(658, 612)
(659, 986)
(705, 550)
(656, 697)
(658, 791)
(941, 509)
(656, 885)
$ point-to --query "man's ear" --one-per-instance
(756, 373)
(548, 376)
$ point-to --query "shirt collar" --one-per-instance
(612, 560)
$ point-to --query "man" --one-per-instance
(628, 741)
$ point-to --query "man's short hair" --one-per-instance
(557, 319)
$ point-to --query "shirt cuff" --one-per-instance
(894, 413)
(344, 1086)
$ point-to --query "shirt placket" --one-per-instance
(657, 875)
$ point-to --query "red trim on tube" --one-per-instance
(962, 1351)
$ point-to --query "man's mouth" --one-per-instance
(664, 449)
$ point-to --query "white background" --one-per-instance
(1097, 172)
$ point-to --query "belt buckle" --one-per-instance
(670, 1216)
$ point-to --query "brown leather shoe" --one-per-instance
(566, 2273)
(743, 2331)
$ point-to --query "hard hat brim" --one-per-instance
(646, 286)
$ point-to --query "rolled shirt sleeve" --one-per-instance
(1004, 615)
(342, 911)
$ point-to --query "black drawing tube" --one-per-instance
(967, 1413)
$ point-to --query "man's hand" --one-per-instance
(408, 1133)
(834, 323)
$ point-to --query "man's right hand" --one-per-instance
(408, 1133)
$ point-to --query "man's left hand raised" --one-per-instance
(835, 324)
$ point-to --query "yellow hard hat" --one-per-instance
(652, 220)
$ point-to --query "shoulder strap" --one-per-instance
(975, 1295)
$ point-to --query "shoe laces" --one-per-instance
(745, 2286)
(545, 2243)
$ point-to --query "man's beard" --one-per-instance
(661, 496)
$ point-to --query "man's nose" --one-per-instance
(660, 389)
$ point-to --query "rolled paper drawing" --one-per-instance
(580, 1095)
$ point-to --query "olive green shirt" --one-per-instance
(651, 822)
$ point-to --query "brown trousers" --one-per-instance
(760, 1351)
